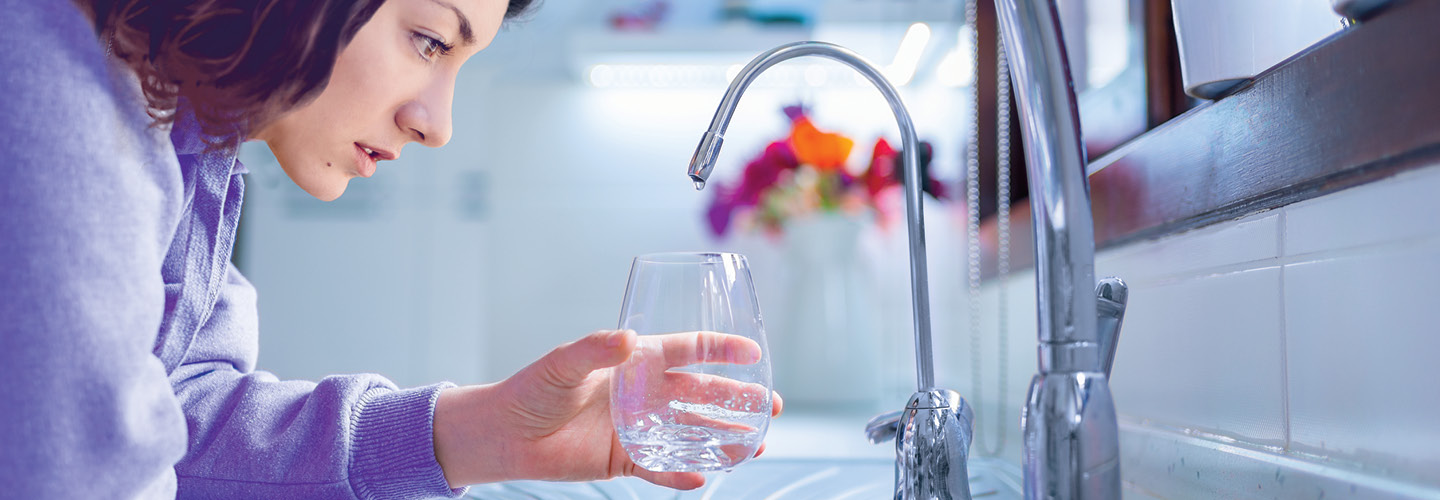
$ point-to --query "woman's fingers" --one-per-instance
(666, 351)
(725, 392)
(712, 422)
(569, 364)
(688, 348)
(677, 480)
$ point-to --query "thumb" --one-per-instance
(569, 364)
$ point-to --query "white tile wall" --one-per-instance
(1308, 332)
(1248, 240)
(1205, 354)
(1362, 325)
(1162, 276)
(1363, 336)
(1397, 209)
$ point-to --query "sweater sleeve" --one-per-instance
(84, 404)
(253, 436)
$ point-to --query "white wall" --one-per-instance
(600, 179)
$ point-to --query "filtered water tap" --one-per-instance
(932, 433)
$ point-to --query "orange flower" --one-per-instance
(823, 150)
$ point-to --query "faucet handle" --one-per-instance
(932, 447)
(1111, 294)
(883, 427)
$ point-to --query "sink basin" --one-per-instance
(768, 479)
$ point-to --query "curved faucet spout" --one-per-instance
(704, 161)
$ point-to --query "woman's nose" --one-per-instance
(427, 118)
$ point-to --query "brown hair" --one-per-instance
(237, 63)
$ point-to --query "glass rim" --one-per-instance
(687, 257)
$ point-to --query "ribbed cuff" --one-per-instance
(392, 453)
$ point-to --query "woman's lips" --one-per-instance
(366, 157)
(364, 163)
(378, 153)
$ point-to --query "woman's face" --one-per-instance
(393, 84)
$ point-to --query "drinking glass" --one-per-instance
(695, 394)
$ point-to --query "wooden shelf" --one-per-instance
(1360, 106)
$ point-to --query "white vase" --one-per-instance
(828, 346)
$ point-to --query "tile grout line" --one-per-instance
(1283, 261)
(1284, 331)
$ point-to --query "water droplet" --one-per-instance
(699, 185)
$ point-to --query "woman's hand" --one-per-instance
(552, 419)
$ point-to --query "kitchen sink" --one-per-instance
(768, 479)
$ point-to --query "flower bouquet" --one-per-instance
(805, 173)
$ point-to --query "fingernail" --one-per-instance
(616, 338)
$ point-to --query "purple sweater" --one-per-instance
(127, 340)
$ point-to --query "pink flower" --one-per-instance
(759, 175)
(762, 172)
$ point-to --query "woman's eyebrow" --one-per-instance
(467, 35)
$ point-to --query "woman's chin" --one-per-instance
(330, 194)
(325, 184)
(325, 191)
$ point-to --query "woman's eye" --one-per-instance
(429, 46)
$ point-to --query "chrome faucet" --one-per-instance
(1071, 443)
(932, 434)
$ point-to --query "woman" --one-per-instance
(129, 341)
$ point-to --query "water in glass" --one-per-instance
(695, 394)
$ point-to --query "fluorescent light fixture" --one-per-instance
(706, 70)
(732, 72)
(957, 68)
(656, 75)
(907, 57)
(788, 75)
(602, 75)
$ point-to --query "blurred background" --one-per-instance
(1232, 220)
(572, 134)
